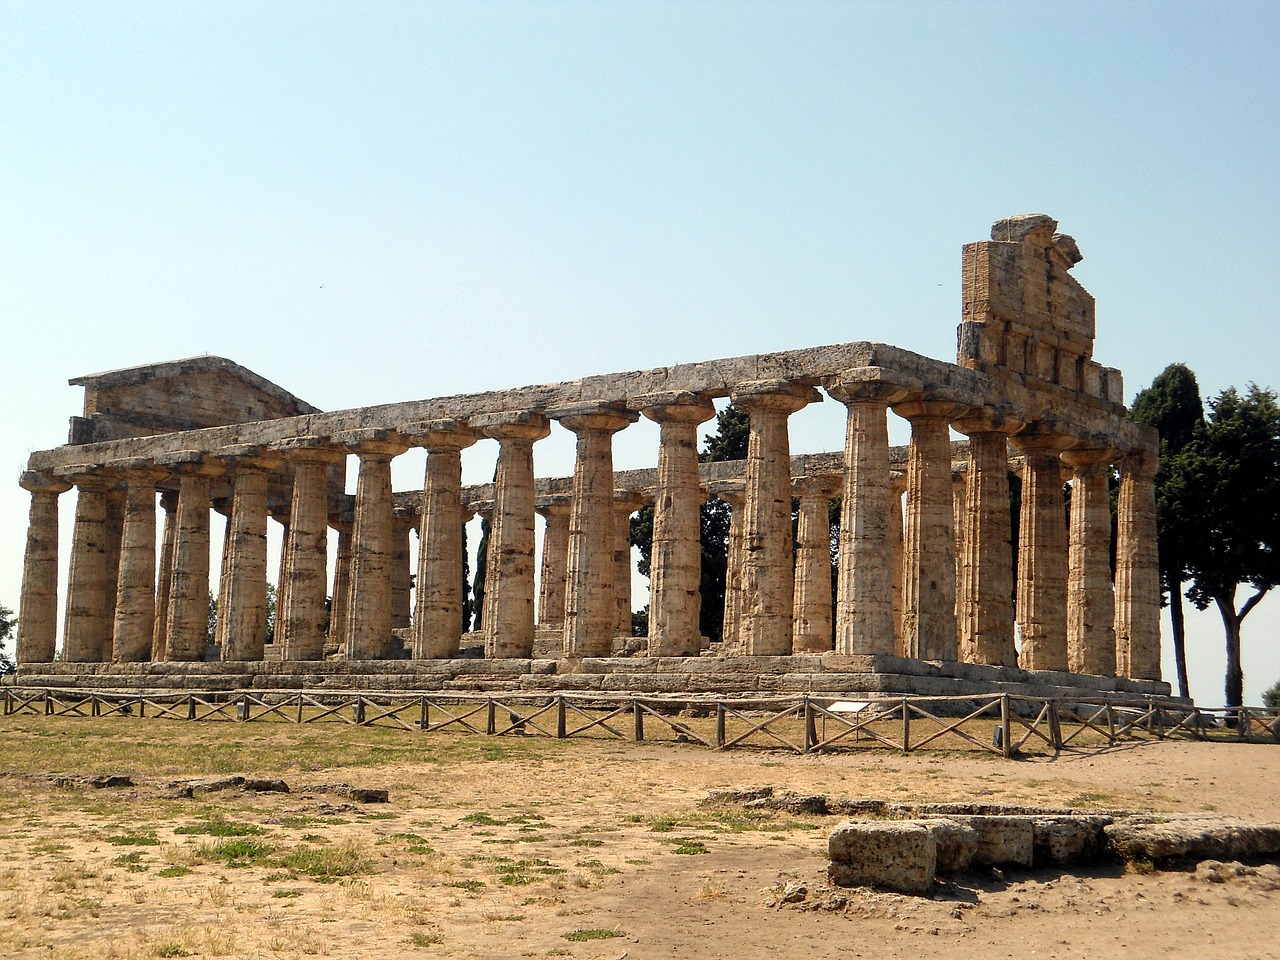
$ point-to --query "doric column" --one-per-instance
(811, 624)
(115, 536)
(590, 612)
(188, 615)
(368, 621)
(341, 582)
(675, 559)
(1091, 638)
(279, 512)
(897, 551)
(555, 511)
(87, 627)
(164, 576)
(403, 521)
(135, 612)
(1042, 554)
(625, 503)
(509, 580)
(865, 618)
(929, 578)
(304, 581)
(437, 621)
(222, 507)
(38, 607)
(732, 493)
(245, 613)
(1137, 592)
(985, 607)
(766, 583)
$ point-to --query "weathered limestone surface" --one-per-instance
(86, 625)
(1042, 555)
(812, 626)
(164, 576)
(625, 503)
(245, 610)
(189, 580)
(899, 855)
(555, 552)
(301, 595)
(733, 494)
(1091, 642)
(38, 613)
(1137, 586)
(135, 611)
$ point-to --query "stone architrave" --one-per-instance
(304, 582)
(509, 575)
(929, 580)
(164, 576)
(1137, 585)
(341, 582)
(675, 559)
(38, 607)
(985, 604)
(625, 503)
(555, 512)
(86, 627)
(865, 617)
(766, 584)
(404, 519)
(1091, 638)
(811, 628)
(732, 493)
(115, 537)
(1042, 554)
(368, 619)
(437, 620)
(135, 613)
(590, 611)
(897, 551)
(245, 613)
(188, 613)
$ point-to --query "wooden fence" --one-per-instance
(1004, 724)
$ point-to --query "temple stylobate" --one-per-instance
(926, 598)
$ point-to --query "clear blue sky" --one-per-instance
(368, 202)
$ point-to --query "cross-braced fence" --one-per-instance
(1005, 724)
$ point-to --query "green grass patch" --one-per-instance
(688, 846)
(174, 871)
(141, 838)
(236, 852)
(326, 864)
(220, 827)
(470, 886)
(595, 933)
(425, 939)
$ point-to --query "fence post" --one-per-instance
(561, 725)
(359, 709)
(48, 703)
(491, 724)
(242, 708)
(1006, 729)
(191, 706)
(906, 725)
(810, 726)
(719, 725)
(638, 714)
(424, 714)
(1055, 725)
(95, 706)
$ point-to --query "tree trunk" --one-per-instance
(1179, 636)
(1235, 672)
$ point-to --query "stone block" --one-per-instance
(899, 855)
(1216, 838)
(1067, 840)
(956, 843)
(1002, 841)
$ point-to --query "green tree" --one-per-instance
(1173, 406)
(1271, 699)
(269, 628)
(1228, 479)
(6, 631)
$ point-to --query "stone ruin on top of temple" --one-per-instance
(926, 596)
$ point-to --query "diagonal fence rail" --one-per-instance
(1004, 724)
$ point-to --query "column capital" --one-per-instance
(443, 434)
(819, 488)
(86, 475)
(676, 406)
(554, 505)
(372, 443)
(482, 507)
(732, 492)
(137, 470)
(1084, 459)
(1046, 444)
(308, 450)
(192, 463)
(406, 512)
(994, 419)
(870, 385)
(1141, 464)
(36, 482)
(921, 408)
(528, 425)
(780, 396)
(629, 500)
(607, 416)
(250, 456)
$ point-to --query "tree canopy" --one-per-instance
(6, 631)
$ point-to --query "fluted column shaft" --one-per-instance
(624, 505)
(811, 627)
(164, 576)
(1091, 639)
(38, 606)
(403, 522)
(341, 584)
(767, 598)
(437, 623)
(189, 587)
(509, 575)
(897, 551)
(555, 555)
(929, 579)
(368, 626)
(135, 612)
(115, 538)
(590, 612)
(730, 633)
(304, 583)
(246, 594)
(1042, 555)
(1137, 585)
(87, 626)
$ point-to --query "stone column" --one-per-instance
(509, 580)
(555, 511)
(732, 493)
(188, 614)
(135, 612)
(164, 576)
(38, 607)
(368, 616)
(304, 581)
(87, 627)
(985, 607)
(767, 598)
(590, 611)
(675, 558)
(1137, 592)
(403, 521)
(897, 550)
(437, 622)
(245, 614)
(115, 537)
(625, 503)
(222, 507)
(1091, 638)
(1042, 554)
(279, 512)
(811, 627)
(929, 579)
(865, 617)
(341, 584)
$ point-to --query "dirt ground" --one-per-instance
(532, 847)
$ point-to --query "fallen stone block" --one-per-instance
(261, 785)
(957, 843)
(1143, 838)
(358, 794)
(1069, 839)
(899, 855)
(1002, 841)
(743, 795)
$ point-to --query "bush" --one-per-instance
(1272, 697)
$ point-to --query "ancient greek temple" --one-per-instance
(926, 597)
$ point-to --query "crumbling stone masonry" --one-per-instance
(932, 582)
